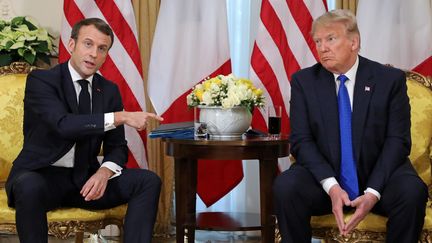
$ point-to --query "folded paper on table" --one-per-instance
(174, 130)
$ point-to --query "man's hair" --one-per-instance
(96, 22)
(343, 16)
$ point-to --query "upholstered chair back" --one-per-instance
(420, 94)
(11, 120)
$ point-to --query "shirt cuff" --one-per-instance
(373, 191)
(113, 167)
(109, 121)
(328, 183)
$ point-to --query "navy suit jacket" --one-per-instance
(380, 123)
(52, 124)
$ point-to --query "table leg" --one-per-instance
(185, 197)
(268, 171)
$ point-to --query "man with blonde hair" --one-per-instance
(350, 120)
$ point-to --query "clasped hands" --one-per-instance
(137, 119)
(362, 204)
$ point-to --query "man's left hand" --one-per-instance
(363, 205)
(95, 186)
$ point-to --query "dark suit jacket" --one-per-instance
(380, 123)
(52, 124)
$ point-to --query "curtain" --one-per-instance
(146, 13)
(347, 4)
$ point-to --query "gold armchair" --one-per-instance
(373, 227)
(63, 222)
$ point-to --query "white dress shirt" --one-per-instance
(351, 75)
(68, 159)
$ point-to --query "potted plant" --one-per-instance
(22, 40)
(226, 92)
(226, 104)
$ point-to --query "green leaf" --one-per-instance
(17, 45)
(3, 43)
(5, 59)
(3, 23)
(21, 52)
(41, 46)
(17, 20)
(8, 45)
(22, 29)
(29, 57)
(31, 24)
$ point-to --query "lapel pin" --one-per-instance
(367, 88)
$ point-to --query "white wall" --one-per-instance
(46, 12)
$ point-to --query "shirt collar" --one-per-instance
(351, 73)
(75, 75)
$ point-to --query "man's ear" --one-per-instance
(355, 42)
(71, 45)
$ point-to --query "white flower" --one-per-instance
(226, 91)
(207, 98)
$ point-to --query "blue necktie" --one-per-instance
(348, 172)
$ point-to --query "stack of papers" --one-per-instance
(174, 130)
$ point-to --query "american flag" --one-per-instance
(122, 66)
(283, 46)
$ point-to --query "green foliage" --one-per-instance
(21, 39)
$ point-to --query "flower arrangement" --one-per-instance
(21, 39)
(227, 92)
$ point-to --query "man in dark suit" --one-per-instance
(69, 111)
(376, 141)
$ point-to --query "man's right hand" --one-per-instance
(339, 199)
(137, 119)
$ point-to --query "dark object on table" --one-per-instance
(255, 133)
(174, 130)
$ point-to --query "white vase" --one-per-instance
(231, 122)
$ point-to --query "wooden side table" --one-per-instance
(186, 152)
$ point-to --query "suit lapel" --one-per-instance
(363, 89)
(326, 92)
(69, 89)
